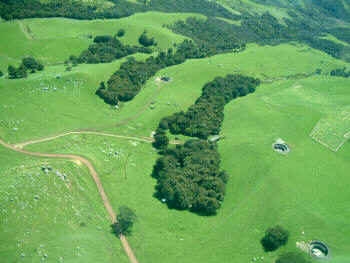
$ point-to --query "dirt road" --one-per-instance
(96, 179)
(50, 138)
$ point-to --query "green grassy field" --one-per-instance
(47, 219)
(71, 100)
(54, 105)
(301, 191)
(53, 40)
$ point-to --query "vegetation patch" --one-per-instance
(125, 220)
(189, 176)
(220, 36)
(28, 64)
(15, 9)
(274, 238)
(126, 83)
(106, 49)
(340, 72)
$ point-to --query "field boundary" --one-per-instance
(26, 30)
(332, 133)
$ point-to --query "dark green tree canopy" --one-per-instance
(274, 238)
(145, 40)
(125, 220)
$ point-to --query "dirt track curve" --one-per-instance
(50, 138)
(95, 177)
(45, 139)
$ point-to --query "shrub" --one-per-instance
(1, 74)
(120, 33)
(274, 238)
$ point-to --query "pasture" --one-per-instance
(53, 214)
(53, 40)
(300, 191)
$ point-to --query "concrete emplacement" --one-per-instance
(281, 147)
(319, 249)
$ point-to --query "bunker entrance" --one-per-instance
(281, 147)
(319, 249)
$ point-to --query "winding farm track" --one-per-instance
(96, 179)
(54, 137)
(50, 138)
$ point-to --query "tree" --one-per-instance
(12, 72)
(121, 33)
(161, 141)
(1, 74)
(145, 40)
(125, 221)
(29, 63)
(274, 238)
(292, 257)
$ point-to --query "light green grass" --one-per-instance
(303, 191)
(293, 61)
(42, 104)
(73, 105)
(53, 40)
(47, 219)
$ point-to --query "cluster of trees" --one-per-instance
(146, 41)
(219, 36)
(126, 83)
(340, 72)
(274, 238)
(189, 176)
(28, 64)
(331, 48)
(334, 8)
(125, 221)
(18, 9)
(212, 35)
(106, 49)
(204, 118)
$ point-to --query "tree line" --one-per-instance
(29, 64)
(340, 72)
(204, 118)
(219, 36)
(18, 9)
(105, 49)
(189, 176)
(126, 82)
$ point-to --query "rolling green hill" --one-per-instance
(51, 210)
